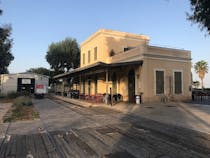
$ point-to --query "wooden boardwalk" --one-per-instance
(144, 139)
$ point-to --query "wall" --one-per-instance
(153, 57)
(148, 78)
(107, 40)
(9, 81)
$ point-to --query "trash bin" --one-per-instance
(137, 99)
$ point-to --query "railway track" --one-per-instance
(144, 138)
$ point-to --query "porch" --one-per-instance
(102, 83)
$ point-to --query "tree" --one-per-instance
(40, 70)
(46, 72)
(200, 13)
(64, 55)
(201, 68)
(5, 48)
(196, 84)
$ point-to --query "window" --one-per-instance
(89, 56)
(159, 82)
(95, 53)
(178, 82)
(83, 58)
(128, 48)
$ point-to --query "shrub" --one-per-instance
(2, 96)
(22, 101)
(24, 93)
(13, 95)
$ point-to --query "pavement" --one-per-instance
(144, 131)
(68, 130)
(188, 115)
(4, 107)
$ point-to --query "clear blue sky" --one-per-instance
(37, 23)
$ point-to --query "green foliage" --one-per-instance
(200, 13)
(13, 95)
(2, 96)
(22, 101)
(40, 70)
(196, 84)
(5, 48)
(201, 68)
(63, 55)
(22, 108)
(35, 114)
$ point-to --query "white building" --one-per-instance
(22, 82)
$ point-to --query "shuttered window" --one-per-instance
(95, 53)
(159, 82)
(89, 56)
(83, 58)
(178, 82)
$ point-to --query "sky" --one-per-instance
(36, 24)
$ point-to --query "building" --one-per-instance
(21, 82)
(125, 64)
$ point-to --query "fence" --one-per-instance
(201, 96)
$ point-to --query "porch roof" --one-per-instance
(97, 66)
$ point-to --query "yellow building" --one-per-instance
(125, 64)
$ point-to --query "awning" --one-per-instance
(96, 66)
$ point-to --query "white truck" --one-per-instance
(40, 90)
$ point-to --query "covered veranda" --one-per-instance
(101, 82)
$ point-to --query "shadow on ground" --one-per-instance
(98, 132)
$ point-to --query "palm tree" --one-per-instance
(201, 68)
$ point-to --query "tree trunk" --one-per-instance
(202, 83)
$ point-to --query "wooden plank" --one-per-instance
(106, 140)
(30, 146)
(122, 154)
(3, 149)
(20, 149)
(13, 147)
(136, 148)
(188, 139)
(71, 152)
(49, 146)
(82, 149)
(161, 147)
(39, 146)
(96, 144)
(61, 147)
(9, 147)
(75, 150)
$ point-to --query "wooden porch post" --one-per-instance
(80, 82)
(107, 86)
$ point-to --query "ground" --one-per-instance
(68, 130)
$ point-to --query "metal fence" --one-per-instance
(201, 96)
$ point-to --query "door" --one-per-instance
(114, 83)
(131, 86)
(26, 85)
(89, 87)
